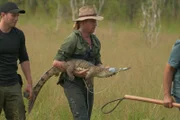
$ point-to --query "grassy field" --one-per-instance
(120, 48)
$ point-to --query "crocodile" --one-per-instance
(71, 66)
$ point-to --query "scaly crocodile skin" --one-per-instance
(71, 66)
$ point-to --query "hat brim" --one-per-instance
(89, 17)
(17, 11)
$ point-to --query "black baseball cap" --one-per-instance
(10, 7)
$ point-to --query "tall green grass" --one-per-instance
(121, 47)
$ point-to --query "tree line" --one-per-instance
(124, 10)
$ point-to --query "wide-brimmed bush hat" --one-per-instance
(88, 12)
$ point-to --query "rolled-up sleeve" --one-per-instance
(67, 48)
(174, 59)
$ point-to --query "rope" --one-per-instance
(107, 112)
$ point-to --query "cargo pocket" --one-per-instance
(73, 106)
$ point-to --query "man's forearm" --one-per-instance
(168, 76)
(59, 64)
(167, 85)
(27, 71)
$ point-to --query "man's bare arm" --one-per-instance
(27, 73)
(168, 77)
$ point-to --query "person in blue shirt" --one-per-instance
(172, 77)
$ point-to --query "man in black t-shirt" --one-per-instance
(12, 49)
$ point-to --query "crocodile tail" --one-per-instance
(48, 74)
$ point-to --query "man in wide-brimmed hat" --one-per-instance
(80, 44)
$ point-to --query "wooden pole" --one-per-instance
(143, 99)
